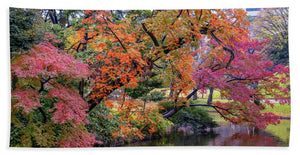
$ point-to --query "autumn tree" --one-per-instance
(47, 110)
(272, 24)
(126, 52)
(245, 83)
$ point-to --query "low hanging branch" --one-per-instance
(175, 109)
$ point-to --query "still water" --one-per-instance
(225, 135)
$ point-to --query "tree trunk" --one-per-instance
(52, 15)
(43, 113)
(210, 97)
(81, 87)
(195, 97)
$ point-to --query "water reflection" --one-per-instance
(225, 135)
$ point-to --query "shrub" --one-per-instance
(103, 123)
(152, 123)
(156, 96)
(167, 105)
(193, 117)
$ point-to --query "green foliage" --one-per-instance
(144, 87)
(167, 105)
(162, 124)
(103, 122)
(156, 96)
(153, 96)
(153, 117)
(281, 83)
(216, 95)
(272, 24)
(138, 15)
(29, 131)
(193, 117)
(26, 29)
(135, 15)
(139, 91)
(85, 55)
(278, 109)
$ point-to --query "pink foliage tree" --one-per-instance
(245, 82)
(37, 74)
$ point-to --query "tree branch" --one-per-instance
(175, 109)
(157, 66)
(42, 84)
(225, 48)
(200, 15)
(180, 12)
(150, 34)
(115, 35)
(43, 113)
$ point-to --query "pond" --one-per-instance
(226, 134)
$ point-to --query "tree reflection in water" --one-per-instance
(256, 139)
(225, 135)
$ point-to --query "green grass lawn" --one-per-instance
(278, 109)
(283, 110)
(282, 130)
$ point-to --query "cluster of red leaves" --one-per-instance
(77, 137)
(28, 99)
(70, 107)
(45, 60)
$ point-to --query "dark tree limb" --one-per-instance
(43, 82)
(115, 35)
(195, 96)
(46, 18)
(53, 17)
(81, 87)
(199, 19)
(224, 48)
(151, 35)
(43, 114)
(157, 66)
(176, 108)
(167, 50)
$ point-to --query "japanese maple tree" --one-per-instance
(246, 82)
(38, 91)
